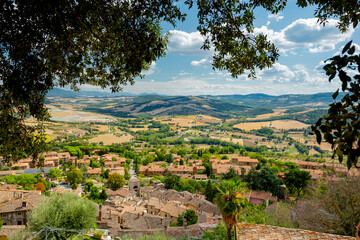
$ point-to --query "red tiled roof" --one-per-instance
(94, 171)
(260, 195)
(257, 231)
(173, 210)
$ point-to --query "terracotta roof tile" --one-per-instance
(16, 204)
(156, 203)
(120, 192)
(173, 209)
(257, 231)
(143, 221)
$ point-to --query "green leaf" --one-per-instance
(318, 136)
(318, 123)
(329, 138)
(335, 94)
(355, 23)
(341, 158)
(349, 161)
(347, 46)
(351, 50)
(339, 152)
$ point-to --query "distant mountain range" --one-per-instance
(223, 106)
(163, 106)
(58, 92)
(288, 100)
(260, 98)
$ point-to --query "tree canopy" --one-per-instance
(74, 177)
(231, 201)
(115, 181)
(109, 43)
(337, 207)
(57, 43)
(296, 180)
(341, 126)
(264, 180)
(63, 211)
(190, 217)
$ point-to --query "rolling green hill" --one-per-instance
(163, 106)
(301, 107)
(289, 100)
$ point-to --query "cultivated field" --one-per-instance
(252, 125)
(228, 139)
(110, 138)
(139, 129)
(102, 128)
(288, 124)
(207, 119)
(55, 129)
(182, 121)
(323, 145)
(67, 114)
(278, 124)
(277, 112)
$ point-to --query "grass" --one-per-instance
(49, 138)
(89, 238)
(291, 150)
(196, 132)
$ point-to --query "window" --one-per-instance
(19, 223)
(19, 213)
(4, 215)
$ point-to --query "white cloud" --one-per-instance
(202, 63)
(182, 73)
(278, 73)
(276, 17)
(280, 79)
(284, 76)
(306, 34)
(301, 34)
(189, 44)
(299, 66)
(197, 86)
(230, 79)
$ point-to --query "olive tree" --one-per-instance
(67, 211)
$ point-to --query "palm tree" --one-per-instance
(231, 201)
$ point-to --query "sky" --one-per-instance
(303, 46)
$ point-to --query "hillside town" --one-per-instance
(139, 208)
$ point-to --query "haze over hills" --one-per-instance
(286, 100)
(58, 92)
(163, 106)
(260, 98)
(222, 106)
